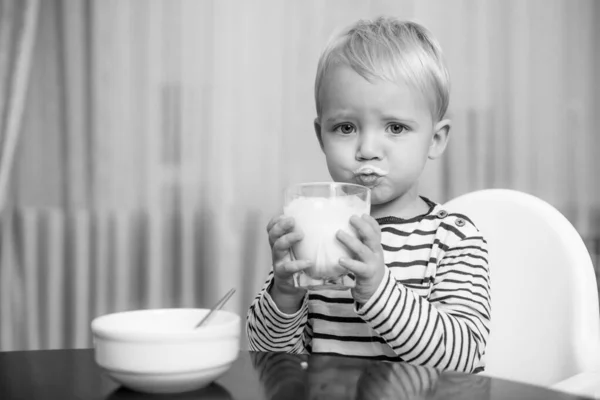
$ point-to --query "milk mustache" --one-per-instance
(319, 218)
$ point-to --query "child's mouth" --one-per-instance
(368, 179)
(369, 175)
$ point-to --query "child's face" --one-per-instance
(383, 125)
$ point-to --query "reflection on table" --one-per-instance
(287, 376)
(73, 374)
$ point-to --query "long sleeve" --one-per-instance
(449, 328)
(269, 329)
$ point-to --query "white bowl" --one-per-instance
(159, 351)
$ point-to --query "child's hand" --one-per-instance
(369, 268)
(282, 237)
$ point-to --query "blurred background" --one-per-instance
(145, 144)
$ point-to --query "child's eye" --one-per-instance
(346, 129)
(396, 128)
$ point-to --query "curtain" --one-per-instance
(18, 23)
(201, 110)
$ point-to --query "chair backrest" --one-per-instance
(545, 320)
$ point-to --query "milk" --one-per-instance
(319, 218)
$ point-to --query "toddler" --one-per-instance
(422, 291)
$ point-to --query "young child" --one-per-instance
(422, 290)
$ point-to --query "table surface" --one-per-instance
(73, 374)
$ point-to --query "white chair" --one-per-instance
(545, 327)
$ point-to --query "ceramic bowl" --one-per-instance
(160, 351)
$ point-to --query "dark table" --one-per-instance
(73, 374)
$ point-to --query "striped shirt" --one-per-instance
(432, 307)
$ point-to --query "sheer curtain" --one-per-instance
(165, 132)
(18, 23)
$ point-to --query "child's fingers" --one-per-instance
(355, 245)
(285, 242)
(373, 223)
(292, 266)
(363, 228)
(273, 221)
(368, 235)
(358, 268)
(280, 227)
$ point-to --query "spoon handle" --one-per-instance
(217, 306)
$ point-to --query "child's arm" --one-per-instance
(277, 317)
(270, 329)
(449, 329)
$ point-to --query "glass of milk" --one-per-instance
(320, 209)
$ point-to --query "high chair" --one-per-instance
(545, 327)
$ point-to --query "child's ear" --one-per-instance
(439, 139)
(318, 132)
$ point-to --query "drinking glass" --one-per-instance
(320, 209)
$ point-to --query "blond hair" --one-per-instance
(392, 50)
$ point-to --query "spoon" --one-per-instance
(216, 307)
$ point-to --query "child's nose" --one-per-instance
(368, 147)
